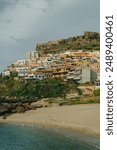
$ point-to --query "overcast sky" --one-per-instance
(23, 23)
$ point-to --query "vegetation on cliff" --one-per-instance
(88, 41)
(19, 96)
(36, 89)
(32, 88)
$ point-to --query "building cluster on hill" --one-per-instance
(80, 66)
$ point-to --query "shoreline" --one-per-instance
(83, 118)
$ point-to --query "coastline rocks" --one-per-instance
(9, 107)
(41, 103)
(3, 110)
(20, 109)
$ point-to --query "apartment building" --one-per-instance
(80, 75)
(33, 55)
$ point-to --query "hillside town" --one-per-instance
(77, 65)
(56, 73)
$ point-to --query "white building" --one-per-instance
(6, 73)
(20, 62)
(32, 55)
(22, 72)
(35, 76)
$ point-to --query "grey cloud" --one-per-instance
(16, 39)
(4, 4)
(50, 1)
(5, 20)
(43, 10)
(59, 19)
(25, 3)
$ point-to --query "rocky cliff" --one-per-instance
(88, 41)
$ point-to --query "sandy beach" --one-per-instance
(83, 118)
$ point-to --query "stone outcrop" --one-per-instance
(13, 105)
(41, 103)
(88, 41)
(9, 105)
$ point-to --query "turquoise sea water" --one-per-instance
(19, 137)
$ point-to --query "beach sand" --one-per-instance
(84, 118)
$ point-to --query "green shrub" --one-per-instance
(96, 92)
(33, 88)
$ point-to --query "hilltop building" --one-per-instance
(32, 56)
